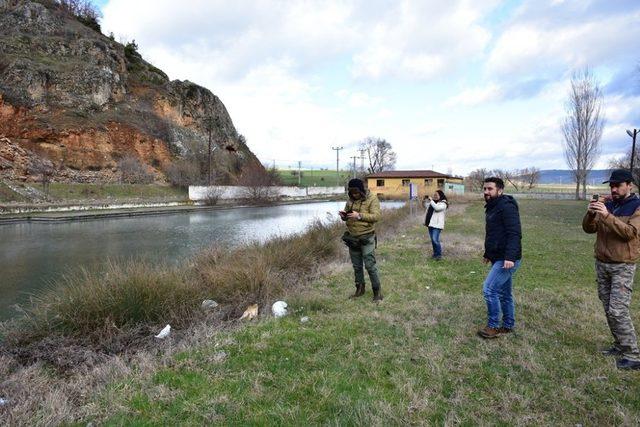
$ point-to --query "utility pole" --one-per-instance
(354, 166)
(299, 166)
(337, 164)
(633, 146)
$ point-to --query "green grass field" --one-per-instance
(415, 358)
(313, 178)
(556, 188)
(8, 195)
(73, 192)
(63, 191)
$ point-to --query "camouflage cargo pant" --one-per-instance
(615, 284)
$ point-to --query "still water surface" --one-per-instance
(34, 255)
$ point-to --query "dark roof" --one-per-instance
(409, 174)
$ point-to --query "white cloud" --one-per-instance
(475, 96)
(423, 40)
(298, 77)
(528, 48)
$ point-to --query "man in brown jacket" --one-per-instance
(617, 248)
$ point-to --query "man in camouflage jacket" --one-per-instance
(617, 248)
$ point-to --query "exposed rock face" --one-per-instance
(84, 101)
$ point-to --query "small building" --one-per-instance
(395, 184)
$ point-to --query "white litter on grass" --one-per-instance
(279, 309)
(3, 401)
(473, 272)
(209, 304)
(304, 319)
(251, 312)
(428, 287)
(164, 332)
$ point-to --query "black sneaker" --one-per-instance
(611, 351)
(627, 364)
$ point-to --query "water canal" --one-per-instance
(34, 255)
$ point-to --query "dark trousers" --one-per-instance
(364, 255)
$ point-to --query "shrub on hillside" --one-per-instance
(183, 173)
(132, 171)
(84, 11)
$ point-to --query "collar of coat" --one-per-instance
(624, 207)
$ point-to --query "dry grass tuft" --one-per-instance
(461, 246)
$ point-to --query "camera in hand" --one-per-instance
(595, 197)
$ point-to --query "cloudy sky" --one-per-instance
(453, 85)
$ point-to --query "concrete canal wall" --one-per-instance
(199, 193)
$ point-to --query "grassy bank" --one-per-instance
(122, 302)
(413, 359)
(71, 191)
(8, 195)
(60, 192)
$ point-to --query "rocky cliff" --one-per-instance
(81, 102)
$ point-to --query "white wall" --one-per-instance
(197, 193)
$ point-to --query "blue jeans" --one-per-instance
(434, 235)
(498, 293)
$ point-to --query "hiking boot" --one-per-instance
(611, 351)
(504, 330)
(377, 295)
(359, 291)
(488, 332)
(627, 364)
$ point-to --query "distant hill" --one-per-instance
(561, 176)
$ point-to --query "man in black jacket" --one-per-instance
(503, 250)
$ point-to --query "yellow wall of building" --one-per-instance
(394, 188)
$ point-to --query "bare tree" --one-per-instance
(476, 178)
(512, 177)
(530, 176)
(506, 175)
(212, 195)
(183, 173)
(45, 169)
(582, 127)
(132, 171)
(379, 153)
(258, 182)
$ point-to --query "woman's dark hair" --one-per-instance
(441, 194)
